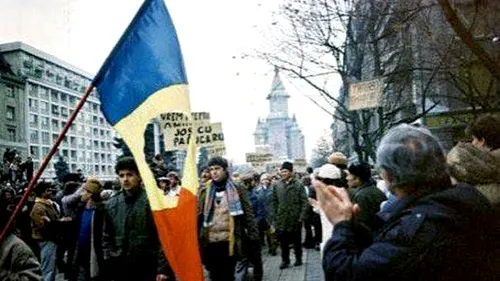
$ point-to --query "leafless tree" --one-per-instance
(412, 45)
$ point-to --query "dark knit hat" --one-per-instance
(361, 170)
(287, 165)
(218, 161)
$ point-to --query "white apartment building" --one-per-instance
(52, 90)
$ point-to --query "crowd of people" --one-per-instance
(14, 172)
(429, 216)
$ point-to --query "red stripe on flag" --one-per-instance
(177, 229)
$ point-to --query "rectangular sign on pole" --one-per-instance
(300, 165)
(259, 160)
(216, 150)
(366, 94)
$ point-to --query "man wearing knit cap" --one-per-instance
(290, 206)
(363, 191)
(88, 258)
(225, 216)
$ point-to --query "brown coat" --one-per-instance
(43, 220)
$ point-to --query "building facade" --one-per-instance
(50, 90)
(278, 133)
(13, 110)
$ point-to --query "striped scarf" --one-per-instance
(233, 200)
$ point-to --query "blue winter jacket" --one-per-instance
(439, 236)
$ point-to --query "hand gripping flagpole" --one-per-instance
(45, 162)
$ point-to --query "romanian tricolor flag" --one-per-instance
(143, 77)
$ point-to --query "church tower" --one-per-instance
(278, 98)
(278, 133)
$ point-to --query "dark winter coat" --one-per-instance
(290, 205)
(368, 197)
(245, 227)
(97, 262)
(439, 236)
(261, 203)
(17, 261)
(130, 242)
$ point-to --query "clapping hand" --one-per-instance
(335, 202)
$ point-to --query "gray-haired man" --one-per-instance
(433, 232)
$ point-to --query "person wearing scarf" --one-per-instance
(226, 222)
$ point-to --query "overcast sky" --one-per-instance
(214, 36)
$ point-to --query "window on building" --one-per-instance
(95, 132)
(72, 141)
(44, 93)
(11, 134)
(96, 168)
(10, 92)
(65, 153)
(64, 98)
(54, 96)
(96, 145)
(44, 107)
(64, 112)
(35, 152)
(33, 105)
(55, 125)
(44, 122)
(11, 113)
(33, 119)
(81, 155)
(32, 90)
(81, 142)
(55, 109)
(45, 151)
(96, 156)
(45, 138)
(34, 136)
(73, 155)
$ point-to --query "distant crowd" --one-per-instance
(425, 215)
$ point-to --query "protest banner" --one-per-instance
(258, 160)
(216, 150)
(178, 130)
(300, 165)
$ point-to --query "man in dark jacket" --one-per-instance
(130, 242)
(226, 223)
(87, 262)
(262, 204)
(290, 205)
(363, 191)
(433, 232)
